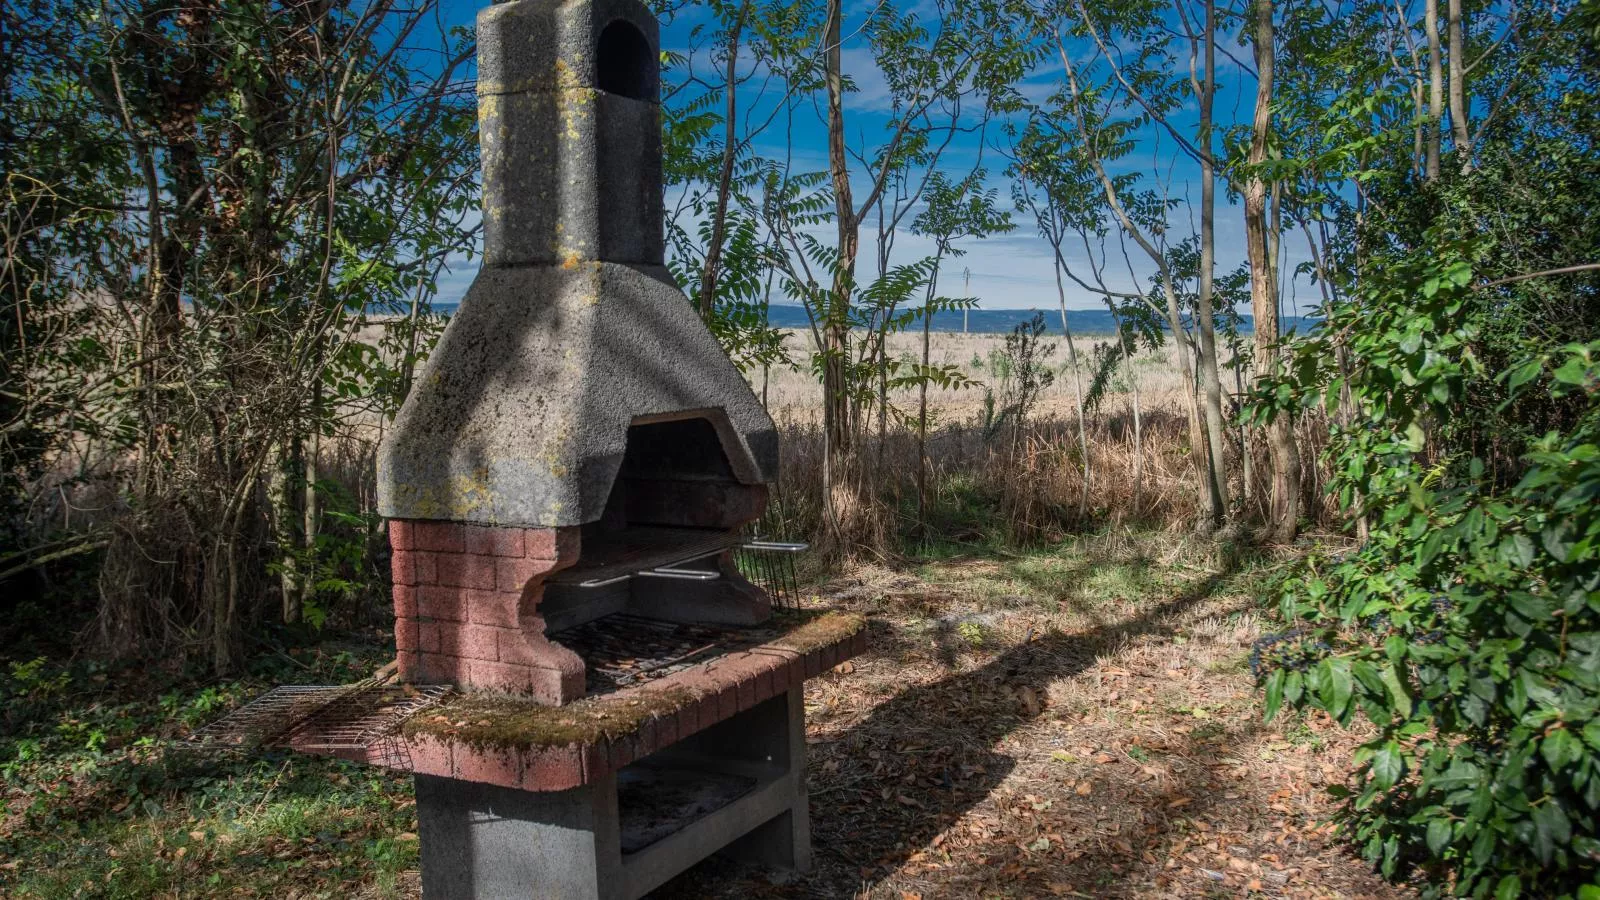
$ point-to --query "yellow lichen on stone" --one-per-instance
(566, 78)
(574, 105)
(469, 493)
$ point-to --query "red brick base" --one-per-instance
(466, 606)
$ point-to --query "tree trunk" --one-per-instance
(1077, 381)
(1210, 380)
(922, 405)
(836, 331)
(1284, 509)
(837, 421)
(287, 521)
(1207, 472)
(1418, 154)
(312, 504)
(1430, 26)
(712, 271)
(1461, 135)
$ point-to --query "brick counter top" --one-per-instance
(517, 743)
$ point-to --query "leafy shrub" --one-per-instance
(1467, 626)
(1023, 374)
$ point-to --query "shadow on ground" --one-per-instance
(920, 761)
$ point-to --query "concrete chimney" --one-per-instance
(575, 397)
(573, 330)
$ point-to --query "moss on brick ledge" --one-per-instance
(828, 628)
(502, 721)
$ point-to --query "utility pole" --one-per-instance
(966, 291)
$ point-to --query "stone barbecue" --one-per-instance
(592, 694)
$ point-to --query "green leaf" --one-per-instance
(1388, 765)
(1574, 371)
(1439, 832)
(1550, 829)
(1530, 607)
(1397, 692)
(1560, 747)
(1416, 439)
(1525, 373)
(1509, 888)
(1518, 550)
(1367, 673)
(1340, 687)
(1274, 697)
(1591, 733)
(1557, 540)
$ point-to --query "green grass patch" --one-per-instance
(95, 801)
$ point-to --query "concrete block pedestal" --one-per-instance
(737, 788)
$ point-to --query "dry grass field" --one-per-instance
(1031, 480)
(794, 395)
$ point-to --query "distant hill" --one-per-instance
(987, 321)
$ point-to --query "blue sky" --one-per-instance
(1007, 271)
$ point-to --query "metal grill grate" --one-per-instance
(360, 718)
(622, 649)
(770, 566)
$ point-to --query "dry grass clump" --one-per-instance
(1022, 484)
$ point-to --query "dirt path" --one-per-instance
(1079, 723)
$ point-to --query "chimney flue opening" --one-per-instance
(624, 64)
